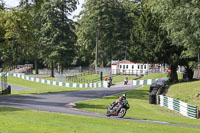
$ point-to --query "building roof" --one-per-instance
(115, 62)
(125, 62)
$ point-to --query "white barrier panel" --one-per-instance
(48, 82)
(67, 84)
(149, 81)
(43, 81)
(54, 82)
(81, 85)
(60, 83)
(141, 82)
(74, 85)
(134, 82)
(183, 104)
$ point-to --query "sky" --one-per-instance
(13, 3)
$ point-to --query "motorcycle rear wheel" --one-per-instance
(122, 113)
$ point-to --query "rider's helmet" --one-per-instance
(123, 97)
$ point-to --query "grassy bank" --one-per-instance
(22, 121)
(186, 91)
(37, 87)
(154, 76)
(79, 79)
(120, 78)
(86, 78)
(158, 75)
(140, 108)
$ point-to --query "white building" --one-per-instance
(129, 68)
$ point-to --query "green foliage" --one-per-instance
(105, 22)
(17, 35)
(181, 20)
(56, 33)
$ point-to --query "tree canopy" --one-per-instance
(146, 31)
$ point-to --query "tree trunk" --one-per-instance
(52, 70)
(173, 77)
(61, 69)
(190, 73)
(36, 66)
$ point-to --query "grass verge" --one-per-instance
(79, 79)
(158, 75)
(18, 121)
(37, 87)
(186, 91)
(120, 78)
(140, 108)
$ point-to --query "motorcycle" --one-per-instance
(125, 82)
(118, 110)
(109, 82)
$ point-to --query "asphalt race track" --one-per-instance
(61, 102)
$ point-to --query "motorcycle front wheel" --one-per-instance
(108, 113)
(122, 113)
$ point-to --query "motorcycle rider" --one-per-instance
(110, 81)
(123, 97)
(126, 80)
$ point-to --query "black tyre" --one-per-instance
(122, 113)
(108, 113)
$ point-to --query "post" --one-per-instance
(197, 112)
(101, 76)
(157, 99)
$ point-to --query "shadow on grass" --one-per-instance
(134, 94)
(9, 109)
(83, 105)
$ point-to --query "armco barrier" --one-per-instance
(49, 82)
(179, 106)
(144, 82)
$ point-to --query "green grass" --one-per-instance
(186, 92)
(37, 87)
(140, 108)
(116, 79)
(120, 78)
(158, 75)
(154, 76)
(80, 79)
(28, 121)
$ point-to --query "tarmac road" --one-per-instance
(56, 102)
(61, 102)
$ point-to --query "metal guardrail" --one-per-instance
(144, 82)
(179, 106)
(64, 84)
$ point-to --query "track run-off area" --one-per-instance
(62, 102)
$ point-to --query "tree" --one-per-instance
(181, 20)
(17, 36)
(150, 42)
(103, 30)
(56, 34)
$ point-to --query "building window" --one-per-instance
(127, 66)
(123, 66)
(132, 66)
(145, 67)
(138, 66)
(141, 66)
(120, 66)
